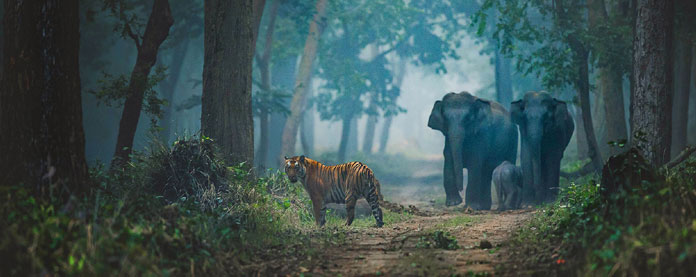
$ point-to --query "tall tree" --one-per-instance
(169, 87)
(652, 71)
(503, 79)
(399, 74)
(148, 45)
(302, 80)
(610, 46)
(684, 43)
(42, 140)
(682, 85)
(227, 63)
(188, 26)
(307, 127)
(263, 62)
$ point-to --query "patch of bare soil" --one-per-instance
(397, 250)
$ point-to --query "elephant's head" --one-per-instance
(459, 116)
(540, 117)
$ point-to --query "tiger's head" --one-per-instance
(295, 168)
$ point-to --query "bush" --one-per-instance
(173, 211)
(190, 168)
(625, 226)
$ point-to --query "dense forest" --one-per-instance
(490, 137)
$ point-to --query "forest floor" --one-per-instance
(435, 241)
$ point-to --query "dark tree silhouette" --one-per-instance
(226, 101)
(42, 141)
(156, 32)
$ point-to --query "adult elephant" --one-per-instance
(545, 127)
(478, 136)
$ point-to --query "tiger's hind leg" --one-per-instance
(373, 200)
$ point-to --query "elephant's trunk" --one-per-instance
(539, 189)
(455, 144)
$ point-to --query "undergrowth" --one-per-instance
(643, 228)
(173, 211)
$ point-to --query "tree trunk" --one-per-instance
(370, 126)
(169, 87)
(372, 115)
(2, 38)
(610, 83)
(352, 146)
(302, 81)
(259, 5)
(226, 102)
(384, 137)
(345, 139)
(580, 136)
(583, 87)
(156, 32)
(682, 84)
(652, 69)
(307, 131)
(264, 64)
(42, 141)
(611, 90)
(599, 121)
(400, 73)
(262, 152)
(283, 76)
(691, 124)
(503, 82)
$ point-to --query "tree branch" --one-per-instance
(682, 157)
(132, 35)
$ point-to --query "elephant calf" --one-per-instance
(508, 183)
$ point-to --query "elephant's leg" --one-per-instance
(513, 200)
(473, 188)
(451, 190)
(485, 187)
(554, 171)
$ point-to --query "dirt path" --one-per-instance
(398, 249)
(401, 249)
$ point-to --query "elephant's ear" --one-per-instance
(562, 118)
(561, 109)
(517, 111)
(483, 108)
(437, 121)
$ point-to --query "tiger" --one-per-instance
(343, 183)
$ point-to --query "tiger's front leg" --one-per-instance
(350, 209)
(319, 212)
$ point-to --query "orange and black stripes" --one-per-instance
(344, 183)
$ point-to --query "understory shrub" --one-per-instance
(175, 210)
(638, 221)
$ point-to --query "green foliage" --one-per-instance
(647, 229)
(125, 228)
(272, 101)
(412, 30)
(113, 91)
(547, 38)
(189, 169)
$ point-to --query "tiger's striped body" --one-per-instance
(341, 184)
